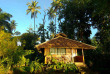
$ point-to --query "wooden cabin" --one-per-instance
(63, 49)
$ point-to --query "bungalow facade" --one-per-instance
(63, 49)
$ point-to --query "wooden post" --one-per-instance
(45, 60)
(76, 52)
(83, 55)
(72, 55)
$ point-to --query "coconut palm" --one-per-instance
(33, 9)
(13, 25)
(56, 4)
(4, 20)
(52, 12)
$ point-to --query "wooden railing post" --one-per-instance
(45, 60)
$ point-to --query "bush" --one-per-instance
(33, 67)
(61, 66)
(36, 67)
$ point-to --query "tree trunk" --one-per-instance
(55, 24)
(34, 28)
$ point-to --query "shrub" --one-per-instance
(61, 66)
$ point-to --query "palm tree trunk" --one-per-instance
(34, 28)
(55, 24)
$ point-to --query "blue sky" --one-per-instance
(18, 9)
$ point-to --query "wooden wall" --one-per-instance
(67, 58)
(74, 52)
(68, 51)
(46, 51)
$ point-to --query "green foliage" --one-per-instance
(42, 32)
(17, 33)
(61, 66)
(11, 55)
(5, 21)
(36, 66)
(76, 16)
(33, 67)
(97, 61)
(27, 39)
(101, 7)
(51, 27)
(33, 8)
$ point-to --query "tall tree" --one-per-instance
(76, 17)
(51, 29)
(28, 39)
(56, 6)
(101, 6)
(33, 8)
(52, 15)
(13, 25)
(102, 24)
(17, 33)
(42, 30)
(5, 20)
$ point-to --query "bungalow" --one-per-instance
(63, 49)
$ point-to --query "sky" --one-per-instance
(17, 8)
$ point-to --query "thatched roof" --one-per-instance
(63, 42)
(61, 35)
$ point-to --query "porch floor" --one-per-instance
(80, 64)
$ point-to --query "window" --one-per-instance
(59, 51)
(52, 50)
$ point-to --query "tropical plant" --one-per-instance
(17, 33)
(11, 55)
(56, 5)
(27, 39)
(5, 20)
(33, 8)
(52, 15)
(42, 30)
(13, 25)
(61, 66)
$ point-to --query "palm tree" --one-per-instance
(52, 15)
(4, 20)
(56, 4)
(52, 12)
(13, 25)
(33, 8)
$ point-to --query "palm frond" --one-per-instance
(28, 4)
(38, 11)
(38, 7)
(33, 8)
(28, 11)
